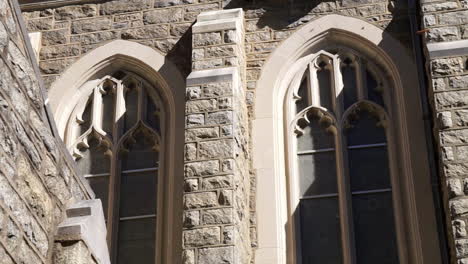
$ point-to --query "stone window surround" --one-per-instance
(144, 61)
(274, 207)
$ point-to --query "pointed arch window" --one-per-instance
(344, 177)
(114, 133)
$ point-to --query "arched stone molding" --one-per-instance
(65, 93)
(270, 150)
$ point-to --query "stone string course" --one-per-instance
(447, 21)
(37, 181)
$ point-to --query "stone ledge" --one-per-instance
(216, 75)
(448, 49)
(31, 5)
(219, 20)
(85, 221)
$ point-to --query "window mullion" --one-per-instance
(114, 181)
(141, 102)
(97, 110)
(345, 197)
(337, 88)
(360, 80)
(313, 97)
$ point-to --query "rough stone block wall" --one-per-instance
(37, 181)
(447, 22)
(216, 199)
(68, 32)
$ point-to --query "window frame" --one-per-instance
(337, 126)
(161, 73)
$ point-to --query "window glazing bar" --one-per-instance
(97, 175)
(315, 151)
(140, 170)
(368, 146)
(372, 191)
(137, 217)
(319, 196)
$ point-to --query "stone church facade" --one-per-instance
(204, 131)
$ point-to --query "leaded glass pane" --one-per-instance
(368, 168)
(138, 193)
(315, 136)
(320, 231)
(108, 113)
(317, 173)
(364, 129)
(374, 91)
(142, 154)
(86, 117)
(375, 229)
(324, 81)
(131, 109)
(136, 243)
(94, 160)
(350, 86)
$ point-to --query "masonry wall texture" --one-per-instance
(445, 22)
(37, 181)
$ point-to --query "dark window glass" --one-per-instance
(141, 153)
(317, 173)
(373, 92)
(364, 129)
(136, 243)
(375, 229)
(315, 137)
(325, 88)
(131, 109)
(369, 169)
(86, 117)
(349, 81)
(138, 193)
(303, 92)
(94, 161)
(108, 112)
(320, 231)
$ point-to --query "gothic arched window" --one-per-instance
(341, 137)
(114, 134)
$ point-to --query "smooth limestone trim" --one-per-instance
(448, 49)
(219, 20)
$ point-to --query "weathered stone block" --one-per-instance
(73, 253)
(159, 16)
(206, 39)
(52, 52)
(461, 247)
(188, 257)
(149, 32)
(223, 255)
(443, 34)
(221, 51)
(90, 25)
(459, 206)
(455, 188)
(197, 106)
(202, 237)
(216, 149)
(459, 82)
(54, 37)
(454, 18)
(124, 6)
(217, 89)
(217, 216)
(223, 117)
(461, 117)
(445, 119)
(459, 228)
(55, 66)
(454, 137)
(200, 200)
(40, 24)
(191, 185)
(202, 133)
(456, 169)
(190, 151)
(73, 12)
(195, 120)
(201, 168)
(207, 64)
(439, 6)
(217, 182)
(451, 99)
(447, 66)
(191, 218)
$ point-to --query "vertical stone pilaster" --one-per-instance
(216, 210)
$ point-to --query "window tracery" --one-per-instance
(346, 210)
(115, 133)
